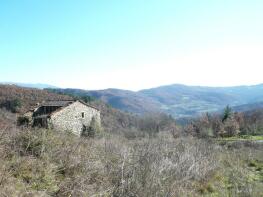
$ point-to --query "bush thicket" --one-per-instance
(40, 162)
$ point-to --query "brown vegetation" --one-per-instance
(44, 162)
(133, 156)
(227, 125)
(11, 95)
(38, 162)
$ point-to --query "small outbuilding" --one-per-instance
(67, 115)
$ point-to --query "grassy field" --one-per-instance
(243, 138)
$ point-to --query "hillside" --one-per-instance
(127, 100)
(40, 162)
(183, 101)
(139, 156)
(29, 85)
(113, 120)
(177, 100)
(248, 107)
(27, 97)
(124, 100)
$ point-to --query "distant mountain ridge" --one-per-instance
(30, 85)
(177, 99)
(248, 107)
(126, 100)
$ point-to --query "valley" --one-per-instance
(180, 101)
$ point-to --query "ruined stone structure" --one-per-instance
(73, 116)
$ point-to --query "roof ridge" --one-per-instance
(61, 100)
(87, 104)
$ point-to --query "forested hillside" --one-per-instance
(19, 99)
(178, 100)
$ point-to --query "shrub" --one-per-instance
(39, 162)
(175, 130)
(213, 126)
(12, 105)
(231, 127)
(30, 142)
(92, 129)
(22, 121)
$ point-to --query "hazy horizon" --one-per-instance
(55, 86)
(131, 45)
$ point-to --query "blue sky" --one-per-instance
(132, 44)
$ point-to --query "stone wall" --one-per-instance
(70, 118)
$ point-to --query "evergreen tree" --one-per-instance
(227, 113)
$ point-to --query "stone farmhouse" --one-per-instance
(67, 115)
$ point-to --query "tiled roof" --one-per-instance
(57, 103)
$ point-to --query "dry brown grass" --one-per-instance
(60, 164)
(38, 162)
